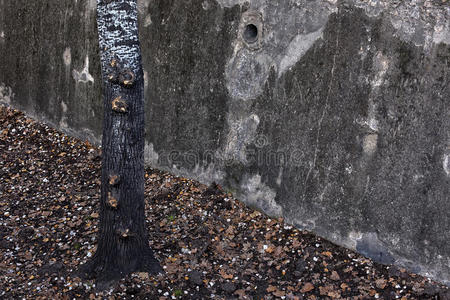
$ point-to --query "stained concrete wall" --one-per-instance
(333, 114)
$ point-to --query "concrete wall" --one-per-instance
(333, 114)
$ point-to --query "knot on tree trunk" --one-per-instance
(114, 180)
(119, 105)
(127, 78)
(112, 201)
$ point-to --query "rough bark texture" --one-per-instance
(122, 241)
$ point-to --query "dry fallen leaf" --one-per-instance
(334, 294)
(240, 293)
(335, 276)
(381, 283)
(271, 288)
(307, 287)
(296, 243)
(225, 275)
(143, 275)
(279, 293)
(270, 249)
(327, 253)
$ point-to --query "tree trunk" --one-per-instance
(122, 238)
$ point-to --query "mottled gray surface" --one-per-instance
(336, 117)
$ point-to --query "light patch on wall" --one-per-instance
(380, 66)
(206, 5)
(63, 121)
(92, 4)
(353, 237)
(442, 33)
(413, 22)
(306, 223)
(297, 48)
(242, 132)
(280, 176)
(203, 173)
(371, 246)
(150, 155)
(207, 174)
(147, 20)
(145, 79)
(2, 36)
(370, 143)
(67, 57)
(446, 164)
(247, 73)
(260, 195)
(6, 94)
(142, 6)
(229, 3)
(83, 75)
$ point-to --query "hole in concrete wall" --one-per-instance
(251, 30)
(250, 33)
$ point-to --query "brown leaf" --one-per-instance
(307, 287)
(168, 184)
(279, 251)
(271, 289)
(230, 230)
(324, 290)
(296, 243)
(143, 275)
(334, 294)
(172, 268)
(225, 275)
(346, 270)
(279, 293)
(94, 215)
(381, 283)
(270, 249)
(245, 246)
(327, 253)
(335, 276)
(255, 214)
(240, 293)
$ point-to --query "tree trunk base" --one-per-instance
(107, 271)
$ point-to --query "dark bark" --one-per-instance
(122, 239)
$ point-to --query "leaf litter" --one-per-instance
(210, 245)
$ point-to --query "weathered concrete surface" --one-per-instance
(333, 114)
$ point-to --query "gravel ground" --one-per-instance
(210, 244)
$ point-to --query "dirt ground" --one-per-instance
(211, 245)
